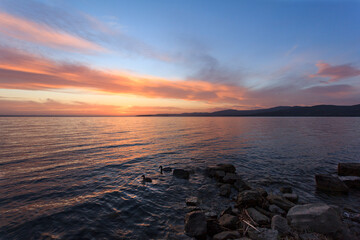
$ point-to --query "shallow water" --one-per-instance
(73, 178)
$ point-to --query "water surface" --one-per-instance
(71, 178)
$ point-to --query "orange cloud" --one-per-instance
(30, 31)
(19, 70)
(335, 73)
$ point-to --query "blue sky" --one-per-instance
(269, 52)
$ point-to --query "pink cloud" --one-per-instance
(335, 73)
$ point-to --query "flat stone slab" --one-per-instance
(349, 169)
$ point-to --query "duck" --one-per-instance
(146, 179)
(166, 169)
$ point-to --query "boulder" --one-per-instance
(280, 202)
(211, 214)
(280, 224)
(258, 217)
(227, 168)
(263, 234)
(349, 169)
(265, 212)
(286, 189)
(315, 217)
(213, 227)
(351, 181)
(181, 173)
(225, 190)
(192, 201)
(240, 185)
(249, 198)
(219, 175)
(228, 221)
(292, 197)
(330, 183)
(226, 235)
(195, 224)
(275, 209)
(230, 178)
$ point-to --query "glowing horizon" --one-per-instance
(70, 59)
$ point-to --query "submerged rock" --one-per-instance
(231, 178)
(225, 190)
(192, 201)
(181, 173)
(292, 197)
(330, 183)
(241, 185)
(228, 221)
(195, 224)
(280, 224)
(286, 189)
(349, 169)
(227, 235)
(316, 217)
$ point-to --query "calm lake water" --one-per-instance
(80, 178)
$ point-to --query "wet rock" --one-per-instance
(280, 202)
(225, 190)
(292, 197)
(192, 209)
(262, 192)
(316, 217)
(219, 175)
(264, 212)
(275, 209)
(211, 214)
(263, 234)
(351, 181)
(192, 201)
(249, 198)
(228, 221)
(312, 236)
(195, 224)
(227, 235)
(330, 183)
(280, 224)
(231, 178)
(258, 217)
(181, 173)
(229, 168)
(241, 185)
(228, 210)
(349, 169)
(213, 227)
(286, 189)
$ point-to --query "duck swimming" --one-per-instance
(145, 179)
(166, 169)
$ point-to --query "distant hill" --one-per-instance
(282, 111)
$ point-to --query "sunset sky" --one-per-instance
(143, 57)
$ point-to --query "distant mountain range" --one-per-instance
(282, 111)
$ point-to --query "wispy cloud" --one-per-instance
(335, 73)
(30, 31)
(19, 70)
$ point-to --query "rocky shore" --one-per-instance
(254, 213)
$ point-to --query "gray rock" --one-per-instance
(211, 214)
(292, 197)
(181, 173)
(192, 201)
(349, 169)
(286, 189)
(213, 227)
(316, 217)
(280, 202)
(225, 190)
(275, 209)
(241, 185)
(330, 183)
(280, 224)
(312, 236)
(262, 192)
(257, 216)
(195, 224)
(265, 212)
(227, 235)
(228, 221)
(228, 210)
(263, 234)
(249, 198)
(351, 181)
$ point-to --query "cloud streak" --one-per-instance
(30, 31)
(19, 70)
(335, 73)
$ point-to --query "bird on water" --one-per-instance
(166, 169)
(146, 179)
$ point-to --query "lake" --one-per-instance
(72, 178)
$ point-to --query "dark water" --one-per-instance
(79, 178)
